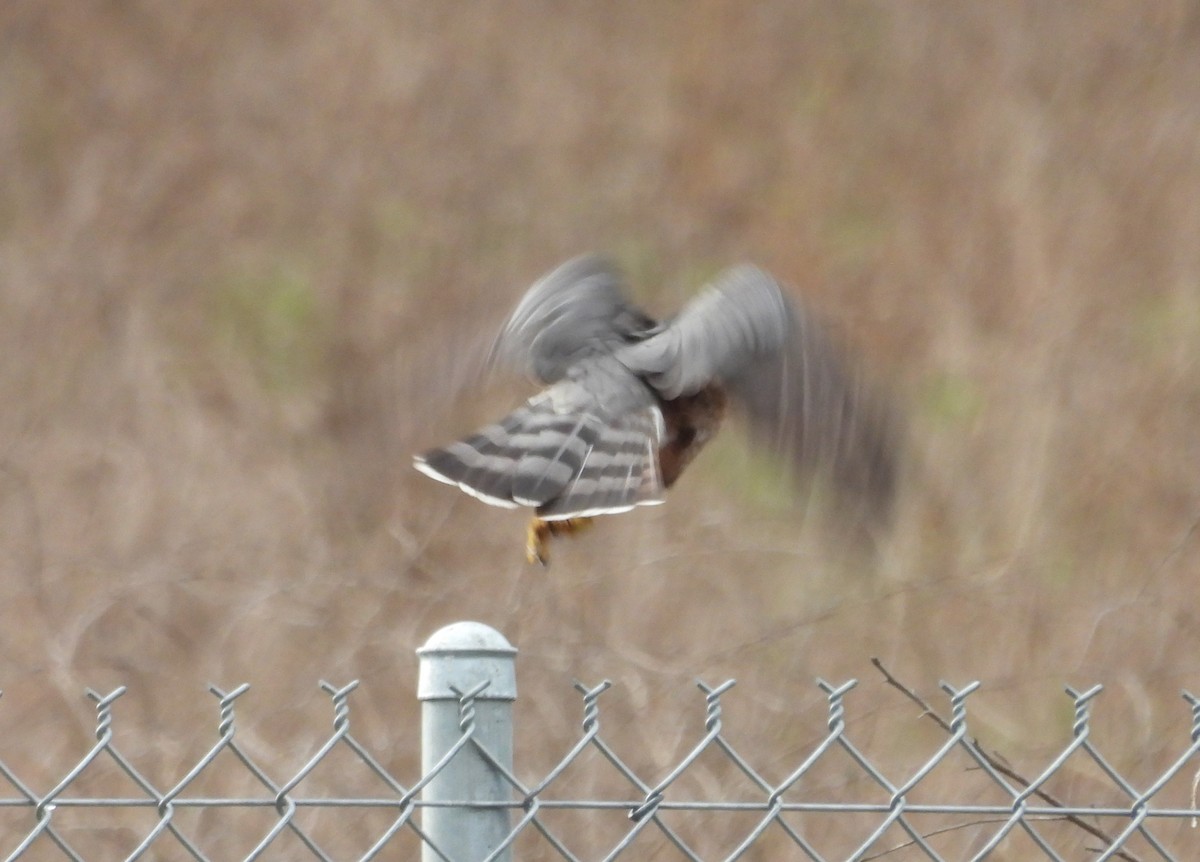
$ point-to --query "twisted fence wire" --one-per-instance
(1027, 805)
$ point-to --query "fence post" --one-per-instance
(455, 660)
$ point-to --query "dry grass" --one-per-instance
(250, 254)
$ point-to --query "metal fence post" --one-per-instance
(454, 661)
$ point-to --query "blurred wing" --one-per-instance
(801, 395)
(738, 319)
(807, 403)
(575, 311)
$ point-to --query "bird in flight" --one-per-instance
(629, 401)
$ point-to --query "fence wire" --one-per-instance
(777, 816)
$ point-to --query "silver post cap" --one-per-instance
(460, 656)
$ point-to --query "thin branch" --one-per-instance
(1173, 553)
(943, 831)
(998, 763)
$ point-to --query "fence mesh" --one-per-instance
(867, 813)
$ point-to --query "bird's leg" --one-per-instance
(537, 536)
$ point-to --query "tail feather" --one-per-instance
(619, 473)
(556, 447)
(565, 465)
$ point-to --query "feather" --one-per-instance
(576, 311)
(551, 455)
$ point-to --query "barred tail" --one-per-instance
(566, 465)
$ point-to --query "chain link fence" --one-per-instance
(468, 803)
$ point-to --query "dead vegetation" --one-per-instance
(251, 254)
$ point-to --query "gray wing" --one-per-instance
(575, 311)
(803, 397)
(809, 403)
(740, 317)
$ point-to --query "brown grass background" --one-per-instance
(252, 252)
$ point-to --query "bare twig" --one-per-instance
(1173, 553)
(998, 763)
(943, 831)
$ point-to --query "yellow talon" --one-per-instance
(537, 536)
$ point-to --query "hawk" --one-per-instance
(629, 401)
